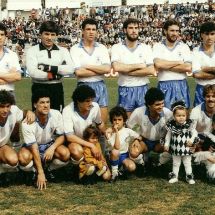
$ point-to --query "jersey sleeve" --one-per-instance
(115, 55)
(67, 121)
(28, 132)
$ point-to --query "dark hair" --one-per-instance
(82, 92)
(118, 111)
(49, 26)
(40, 93)
(91, 130)
(178, 105)
(129, 21)
(207, 27)
(3, 28)
(153, 95)
(207, 88)
(170, 22)
(6, 98)
(89, 21)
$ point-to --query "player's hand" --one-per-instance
(43, 67)
(189, 143)
(166, 148)
(96, 153)
(30, 117)
(49, 153)
(115, 128)
(41, 181)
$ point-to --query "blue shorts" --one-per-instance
(43, 148)
(122, 157)
(175, 91)
(100, 90)
(132, 97)
(198, 95)
(150, 144)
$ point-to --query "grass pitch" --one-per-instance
(151, 194)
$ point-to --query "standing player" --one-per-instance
(203, 64)
(134, 62)
(44, 140)
(9, 116)
(47, 63)
(92, 61)
(172, 59)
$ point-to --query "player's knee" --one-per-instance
(12, 159)
(64, 154)
(131, 166)
(114, 154)
(24, 158)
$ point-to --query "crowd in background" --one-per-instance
(22, 31)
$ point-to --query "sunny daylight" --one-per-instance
(139, 194)
(107, 107)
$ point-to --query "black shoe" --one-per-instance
(4, 180)
(50, 175)
(30, 178)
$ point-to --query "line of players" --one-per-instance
(47, 63)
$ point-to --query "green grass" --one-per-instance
(137, 195)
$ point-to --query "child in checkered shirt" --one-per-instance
(180, 140)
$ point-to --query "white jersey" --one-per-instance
(42, 134)
(153, 131)
(142, 54)
(15, 115)
(81, 58)
(126, 136)
(203, 123)
(201, 59)
(9, 60)
(180, 52)
(75, 124)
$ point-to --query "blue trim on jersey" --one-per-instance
(81, 45)
(173, 48)
(154, 122)
(131, 49)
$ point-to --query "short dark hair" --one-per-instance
(152, 95)
(207, 27)
(82, 92)
(91, 130)
(170, 22)
(129, 21)
(40, 93)
(6, 98)
(89, 21)
(118, 111)
(207, 88)
(49, 26)
(3, 28)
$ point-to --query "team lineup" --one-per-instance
(144, 120)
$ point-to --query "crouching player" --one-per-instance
(119, 139)
(44, 141)
(89, 165)
(9, 116)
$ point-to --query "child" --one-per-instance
(180, 137)
(90, 164)
(119, 139)
(207, 156)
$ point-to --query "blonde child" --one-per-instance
(180, 137)
(90, 164)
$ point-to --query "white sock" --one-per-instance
(164, 157)
(9, 168)
(28, 168)
(138, 159)
(75, 162)
(56, 164)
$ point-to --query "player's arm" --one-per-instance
(12, 76)
(203, 75)
(209, 69)
(51, 150)
(167, 140)
(99, 69)
(126, 68)
(148, 70)
(117, 140)
(83, 72)
(41, 179)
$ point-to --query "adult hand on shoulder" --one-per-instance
(30, 117)
(41, 181)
